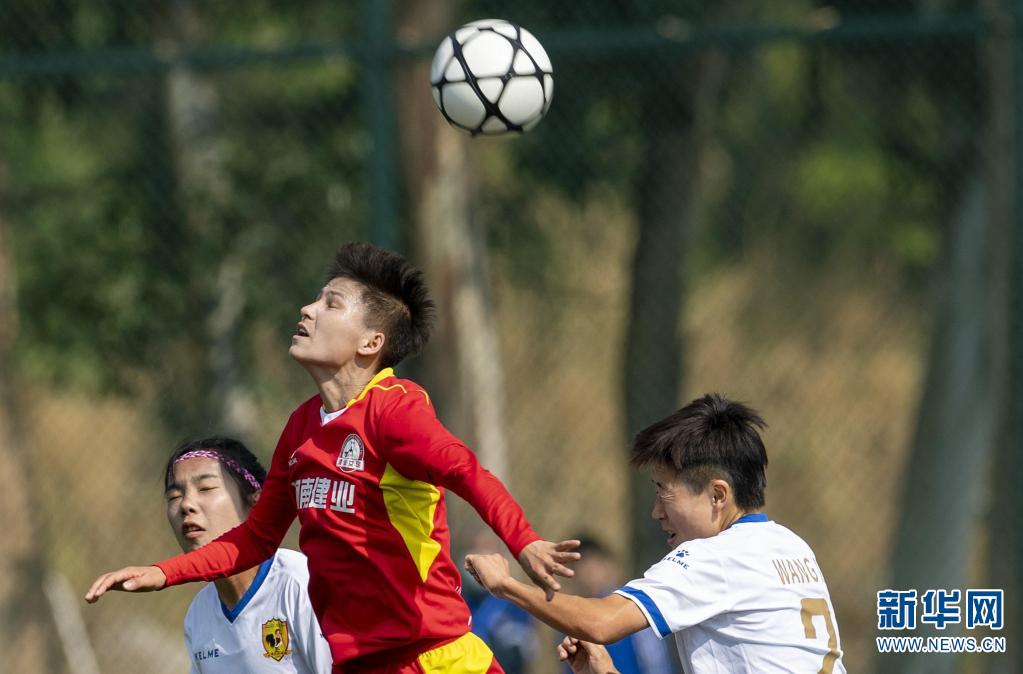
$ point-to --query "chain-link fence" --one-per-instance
(800, 204)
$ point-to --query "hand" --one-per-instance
(541, 559)
(128, 579)
(585, 658)
(490, 571)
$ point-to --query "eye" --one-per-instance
(210, 488)
(171, 498)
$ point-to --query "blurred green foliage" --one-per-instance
(848, 152)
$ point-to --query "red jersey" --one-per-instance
(368, 489)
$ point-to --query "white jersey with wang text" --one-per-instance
(271, 629)
(751, 599)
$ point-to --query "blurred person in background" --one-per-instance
(363, 466)
(598, 574)
(741, 593)
(258, 620)
(507, 629)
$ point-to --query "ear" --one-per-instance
(372, 343)
(720, 493)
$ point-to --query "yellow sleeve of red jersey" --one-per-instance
(415, 443)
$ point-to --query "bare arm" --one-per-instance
(128, 579)
(602, 621)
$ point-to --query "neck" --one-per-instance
(232, 588)
(337, 387)
(732, 516)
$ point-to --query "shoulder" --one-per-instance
(394, 392)
(761, 536)
(290, 572)
(292, 563)
(310, 405)
(291, 577)
(202, 604)
(704, 552)
(301, 416)
(790, 538)
(699, 562)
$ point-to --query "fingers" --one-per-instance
(96, 590)
(472, 569)
(129, 579)
(104, 583)
(565, 546)
(564, 571)
(548, 582)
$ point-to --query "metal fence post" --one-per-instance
(380, 112)
(1014, 600)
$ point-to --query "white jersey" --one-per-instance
(751, 599)
(271, 629)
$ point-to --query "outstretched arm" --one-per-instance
(602, 621)
(128, 579)
(245, 546)
(419, 447)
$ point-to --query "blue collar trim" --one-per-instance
(752, 517)
(257, 582)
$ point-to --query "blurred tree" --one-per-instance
(205, 219)
(205, 192)
(947, 469)
(464, 362)
(27, 624)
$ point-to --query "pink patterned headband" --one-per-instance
(230, 463)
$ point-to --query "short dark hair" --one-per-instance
(395, 294)
(232, 454)
(711, 437)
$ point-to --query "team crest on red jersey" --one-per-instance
(353, 455)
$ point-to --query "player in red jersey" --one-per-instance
(364, 466)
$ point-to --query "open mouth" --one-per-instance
(671, 538)
(191, 531)
(301, 331)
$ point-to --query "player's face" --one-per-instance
(332, 330)
(683, 514)
(203, 502)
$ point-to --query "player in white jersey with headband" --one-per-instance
(740, 593)
(259, 620)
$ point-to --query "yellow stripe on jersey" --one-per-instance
(465, 655)
(411, 505)
(375, 383)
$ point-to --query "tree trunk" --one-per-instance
(946, 492)
(465, 368)
(1005, 560)
(194, 118)
(943, 496)
(667, 195)
(27, 626)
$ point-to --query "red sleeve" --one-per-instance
(415, 442)
(253, 541)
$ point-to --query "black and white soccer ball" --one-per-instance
(492, 77)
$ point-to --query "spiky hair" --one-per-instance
(397, 300)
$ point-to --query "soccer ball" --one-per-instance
(492, 77)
